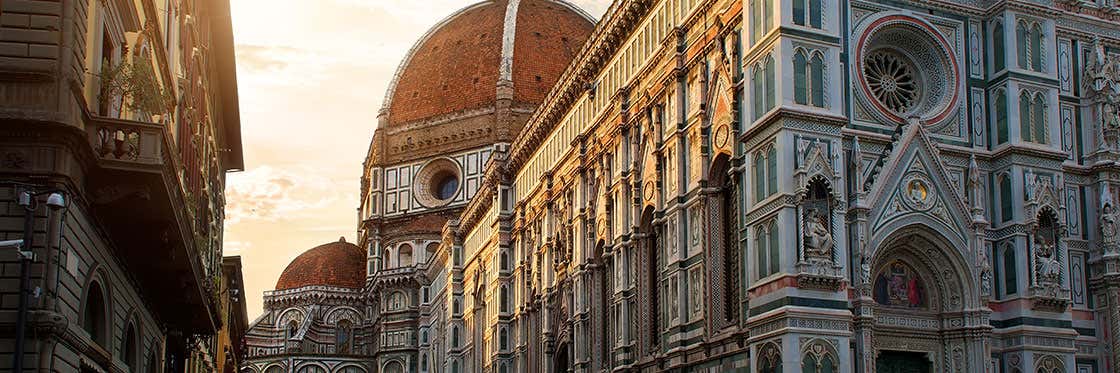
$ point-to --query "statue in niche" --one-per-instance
(1047, 265)
(817, 232)
(985, 273)
(976, 187)
(865, 267)
(818, 238)
(1110, 232)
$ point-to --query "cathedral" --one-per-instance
(730, 186)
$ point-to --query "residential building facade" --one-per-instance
(127, 111)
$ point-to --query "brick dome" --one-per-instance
(339, 264)
(459, 63)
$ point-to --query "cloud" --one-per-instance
(254, 57)
(235, 246)
(271, 194)
(595, 8)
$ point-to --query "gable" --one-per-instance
(913, 182)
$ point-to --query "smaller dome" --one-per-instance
(338, 264)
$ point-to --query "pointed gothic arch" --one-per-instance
(769, 358)
(819, 356)
(651, 278)
(723, 240)
(920, 280)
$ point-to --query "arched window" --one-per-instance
(397, 301)
(759, 176)
(1009, 269)
(799, 12)
(816, 80)
(766, 244)
(503, 339)
(93, 315)
(504, 260)
(454, 366)
(343, 334)
(768, 75)
(762, 85)
(404, 255)
(1021, 34)
(385, 259)
(128, 348)
(1025, 116)
(999, 53)
(812, 13)
(1000, 108)
(724, 235)
(313, 369)
(454, 336)
(767, 15)
(817, 362)
(1006, 208)
(1038, 119)
(758, 86)
(456, 307)
(652, 277)
(394, 367)
(769, 359)
(1036, 47)
(423, 362)
(774, 260)
(504, 368)
(800, 85)
(760, 242)
(293, 328)
(771, 171)
(274, 369)
(756, 20)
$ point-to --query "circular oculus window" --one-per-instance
(907, 69)
(437, 183)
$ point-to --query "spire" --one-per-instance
(855, 162)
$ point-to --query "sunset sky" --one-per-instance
(311, 77)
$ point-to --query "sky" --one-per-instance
(311, 76)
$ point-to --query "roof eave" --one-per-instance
(221, 28)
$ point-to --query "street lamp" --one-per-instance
(29, 200)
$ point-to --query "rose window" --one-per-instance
(892, 81)
(906, 69)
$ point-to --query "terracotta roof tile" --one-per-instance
(457, 66)
(340, 264)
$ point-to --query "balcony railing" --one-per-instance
(128, 142)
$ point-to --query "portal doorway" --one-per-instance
(902, 362)
(560, 363)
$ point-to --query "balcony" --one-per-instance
(137, 195)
